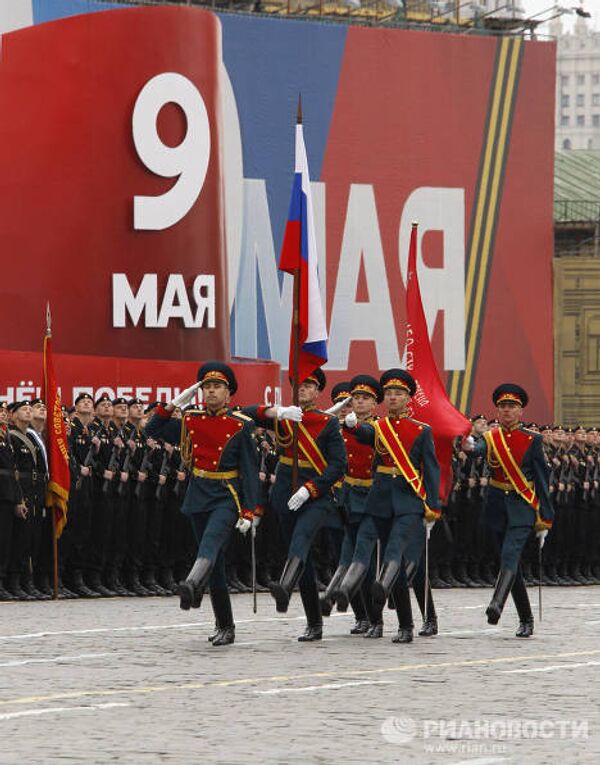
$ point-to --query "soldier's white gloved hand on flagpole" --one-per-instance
(541, 537)
(293, 413)
(339, 405)
(243, 525)
(467, 444)
(428, 526)
(185, 396)
(351, 420)
(296, 501)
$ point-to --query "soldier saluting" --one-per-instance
(216, 442)
(517, 499)
(404, 495)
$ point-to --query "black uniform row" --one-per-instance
(126, 535)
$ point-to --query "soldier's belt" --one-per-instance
(505, 486)
(388, 470)
(3, 471)
(34, 474)
(358, 481)
(215, 476)
(289, 461)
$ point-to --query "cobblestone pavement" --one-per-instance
(135, 681)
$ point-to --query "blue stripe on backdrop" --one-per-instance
(293, 57)
(49, 10)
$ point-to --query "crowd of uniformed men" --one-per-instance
(126, 534)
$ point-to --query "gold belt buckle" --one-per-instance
(34, 475)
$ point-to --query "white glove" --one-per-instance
(296, 501)
(340, 405)
(428, 526)
(351, 420)
(541, 537)
(468, 444)
(293, 413)
(243, 525)
(256, 521)
(185, 396)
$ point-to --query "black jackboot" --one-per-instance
(487, 574)
(221, 603)
(282, 590)
(430, 623)
(14, 587)
(150, 583)
(404, 611)
(327, 598)
(504, 585)
(310, 600)
(80, 588)
(521, 601)
(95, 584)
(462, 575)
(5, 594)
(32, 590)
(350, 585)
(384, 583)
(114, 583)
(190, 592)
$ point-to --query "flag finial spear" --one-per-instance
(299, 110)
(48, 319)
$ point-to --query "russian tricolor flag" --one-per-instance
(299, 251)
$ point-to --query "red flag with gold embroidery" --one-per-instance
(59, 481)
(430, 403)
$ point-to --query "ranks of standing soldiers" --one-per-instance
(349, 530)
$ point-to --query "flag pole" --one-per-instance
(53, 514)
(296, 348)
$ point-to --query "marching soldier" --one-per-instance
(304, 511)
(404, 496)
(222, 493)
(366, 394)
(517, 498)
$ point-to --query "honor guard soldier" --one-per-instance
(405, 493)
(366, 394)
(76, 538)
(517, 498)
(303, 511)
(27, 529)
(11, 499)
(217, 444)
(104, 433)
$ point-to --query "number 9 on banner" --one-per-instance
(188, 161)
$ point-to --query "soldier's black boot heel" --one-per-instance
(282, 590)
(327, 598)
(190, 592)
(504, 585)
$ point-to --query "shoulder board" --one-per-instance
(418, 422)
(529, 432)
(240, 416)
